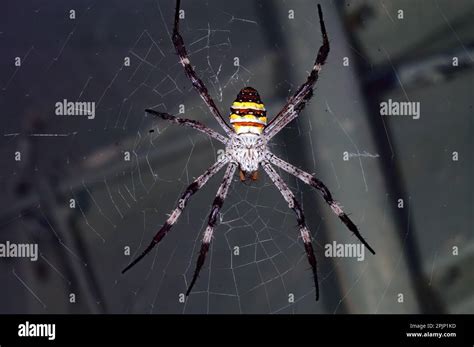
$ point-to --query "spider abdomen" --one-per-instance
(248, 114)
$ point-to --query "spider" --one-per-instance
(246, 149)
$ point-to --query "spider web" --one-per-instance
(126, 170)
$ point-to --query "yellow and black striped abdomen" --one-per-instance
(248, 114)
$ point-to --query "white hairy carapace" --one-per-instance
(247, 150)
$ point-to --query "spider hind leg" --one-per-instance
(213, 216)
(314, 182)
(176, 213)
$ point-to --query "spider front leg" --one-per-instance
(189, 123)
(216, 207)
(191, 74)
(316, 183)
(304, 93)
(173, 218)
(295, 206)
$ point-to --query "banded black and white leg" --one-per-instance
(197, 184)
(216, 207)
(191, 74)
(304, 93)
(295, 206)
(321, 187)
(189, 123)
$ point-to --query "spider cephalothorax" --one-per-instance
(246, 149)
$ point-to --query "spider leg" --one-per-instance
(295, 206)
(216, 206)
(191, 74)
(304, 93)
(172, 219)
(189, 123)
(316, 183)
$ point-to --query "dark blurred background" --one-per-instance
(424, 242)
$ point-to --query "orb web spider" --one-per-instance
(246, 149)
